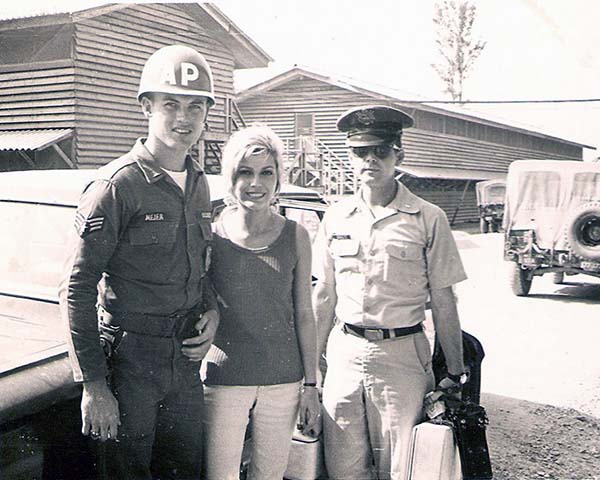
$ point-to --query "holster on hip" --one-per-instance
(110, 333)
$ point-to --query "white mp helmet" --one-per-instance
(179, 70)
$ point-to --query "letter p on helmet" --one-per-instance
(189, 73)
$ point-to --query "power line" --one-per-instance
(464, 102)
(377, 86)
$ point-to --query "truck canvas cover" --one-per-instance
(542, 195)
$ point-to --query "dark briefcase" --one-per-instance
(470, 421)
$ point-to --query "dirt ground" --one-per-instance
(533, 441)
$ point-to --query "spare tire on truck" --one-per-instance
(582, 231)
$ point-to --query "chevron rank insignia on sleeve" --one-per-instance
(85, 226)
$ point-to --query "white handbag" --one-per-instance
(306, 460)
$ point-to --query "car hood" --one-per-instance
(29, 332)
(34, 367)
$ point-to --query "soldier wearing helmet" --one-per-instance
(379, 256)
(135, 295)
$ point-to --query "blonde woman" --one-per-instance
(262, 366)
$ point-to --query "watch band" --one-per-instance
(457, 378)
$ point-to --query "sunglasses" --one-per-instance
(380, 151)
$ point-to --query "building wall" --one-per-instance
(423, 147)
(110, 51)
(458, 127)
(37, 95)
(278, 107)
(84, 75)
(426, 144)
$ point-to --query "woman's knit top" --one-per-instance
(256, 342)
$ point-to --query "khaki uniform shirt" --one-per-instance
(383, 268)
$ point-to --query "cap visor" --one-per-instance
(366, 140)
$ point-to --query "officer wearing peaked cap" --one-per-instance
(379, 256)
(136, 282)
(374, 125)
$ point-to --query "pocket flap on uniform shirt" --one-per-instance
(404, 250)
(347, 247)
(153, 234)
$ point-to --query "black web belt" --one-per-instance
(373, 334)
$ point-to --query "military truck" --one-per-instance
(490, 201)
(551, 220)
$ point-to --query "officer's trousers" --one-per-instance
(160, 397)
(372, 397)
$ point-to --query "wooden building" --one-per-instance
(68, 82)
(447, 151)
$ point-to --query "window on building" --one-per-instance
(305, 124)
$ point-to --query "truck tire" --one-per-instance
(558, 278)
(520, 282)
(582, 231)
(483, 225)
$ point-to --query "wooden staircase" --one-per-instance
(213, 141)
(312, 164)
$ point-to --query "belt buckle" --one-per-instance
(373, 334)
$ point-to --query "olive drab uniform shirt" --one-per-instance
(383, 268)
(140, 245)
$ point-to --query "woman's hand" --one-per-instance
(309, 418)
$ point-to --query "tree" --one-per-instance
(454, 23)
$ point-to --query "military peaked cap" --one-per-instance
(374, 125)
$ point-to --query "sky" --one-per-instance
(535, 50)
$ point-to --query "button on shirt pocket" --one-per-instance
(345, 251)
(161, 234)
(405, 263)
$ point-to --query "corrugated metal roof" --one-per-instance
(450, 173)
(32, 139)
(246, 52)
(29, 10)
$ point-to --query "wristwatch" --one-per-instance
(460, 378)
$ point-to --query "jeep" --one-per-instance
(551, 220)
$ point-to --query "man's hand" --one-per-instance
(196, 348)
(447, 387)
(99, 411)
(450, 388)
